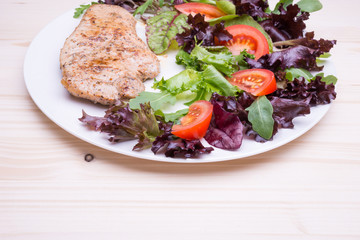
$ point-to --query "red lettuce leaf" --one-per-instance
(315, 92)
(285, 110)
(287, 24)
(225, 130)
(297, 57)
(321, 45)
(253, 8)
(201, 33)
(173, 146)
(122, 123)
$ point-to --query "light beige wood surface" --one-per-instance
(307, 189)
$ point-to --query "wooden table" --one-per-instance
(307, 189)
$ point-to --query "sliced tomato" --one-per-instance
(193, 8)
(195, 124)
(246, 38)
(258, 82)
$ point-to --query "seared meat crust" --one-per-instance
(103, 59)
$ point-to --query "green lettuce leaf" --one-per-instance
(222, 60)
(157, 100)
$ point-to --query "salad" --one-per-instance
(248, 71)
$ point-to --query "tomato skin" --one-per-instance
(246, 37)
(195, 124)
(258, 82)
(193, 8)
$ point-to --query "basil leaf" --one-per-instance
(260, 116)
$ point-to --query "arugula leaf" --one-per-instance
(292, 73)
(304, 5)
(156, 99)
(310, 5)
(172, 117)
(80, 10)
(283, 3)
(162, 28)
(141, 9)
(330, 79)
(260, 116)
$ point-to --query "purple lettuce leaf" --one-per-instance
(297, 57)
(173, 146)
(315, 92)
(129, 5)
(321, 45)
(285, 110)
(122, 123)
(225, 130)
(201, 33)
(287, 24)
(253, 8)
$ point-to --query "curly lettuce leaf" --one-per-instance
(172, 146)
(220, 57)
(122, 123)
(202, 83)
(294, 57)
(201, 33)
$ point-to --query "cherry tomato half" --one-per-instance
(193, 8)
(195, 124)
(258, 82)
(246, 38)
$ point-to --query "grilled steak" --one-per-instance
(103, 59)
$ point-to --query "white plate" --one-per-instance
(42, 77)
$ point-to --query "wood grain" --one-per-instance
(308, 189)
